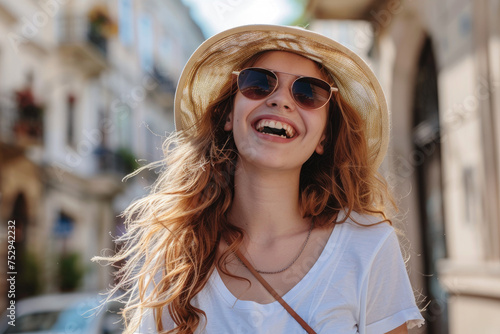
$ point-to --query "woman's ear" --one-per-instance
(228, 126)
(320, 149)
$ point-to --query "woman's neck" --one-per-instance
(266, 203)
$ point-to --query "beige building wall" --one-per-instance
(469, 147)
(464, 37)
(122, 90)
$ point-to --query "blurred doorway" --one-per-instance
(427, 158)
(26, 277)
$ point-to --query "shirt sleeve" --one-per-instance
(148, 325)
(388, 301)
(148, 322)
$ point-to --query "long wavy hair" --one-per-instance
(169, 249)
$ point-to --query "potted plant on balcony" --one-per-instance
(127, 161)
(101, 27)
(30, 112)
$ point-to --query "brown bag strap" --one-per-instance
(275, 294)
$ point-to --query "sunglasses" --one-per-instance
(258, 83)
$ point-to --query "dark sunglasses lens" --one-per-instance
(256, 83)
(311, 93)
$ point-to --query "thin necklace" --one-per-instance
(291, 263)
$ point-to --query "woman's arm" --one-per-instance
(400, 330)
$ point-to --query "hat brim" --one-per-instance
(210, 67)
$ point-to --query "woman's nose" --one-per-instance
(281, 98)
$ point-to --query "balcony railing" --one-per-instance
(164, 88)
(20, 126)
(119, 161)
(165, 83)
(83, 42)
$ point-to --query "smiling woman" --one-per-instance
(270, 215)
(279, 99)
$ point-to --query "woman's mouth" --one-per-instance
(275, 128)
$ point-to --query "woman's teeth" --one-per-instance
(275, 128)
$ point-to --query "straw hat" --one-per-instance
(210, 67)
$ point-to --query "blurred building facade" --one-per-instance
(86, 89)
(438, 62)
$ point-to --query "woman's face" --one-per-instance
(250, 120)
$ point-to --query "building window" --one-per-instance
(126, 22)
(64, 225)
(146, 41)
(70, 119)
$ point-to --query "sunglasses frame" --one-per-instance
(298, 77)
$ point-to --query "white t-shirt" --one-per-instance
(359, 284)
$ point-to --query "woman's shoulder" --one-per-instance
(365, 229)
(364, 221)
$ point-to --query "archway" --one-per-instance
(427, 155)
(27, 266)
